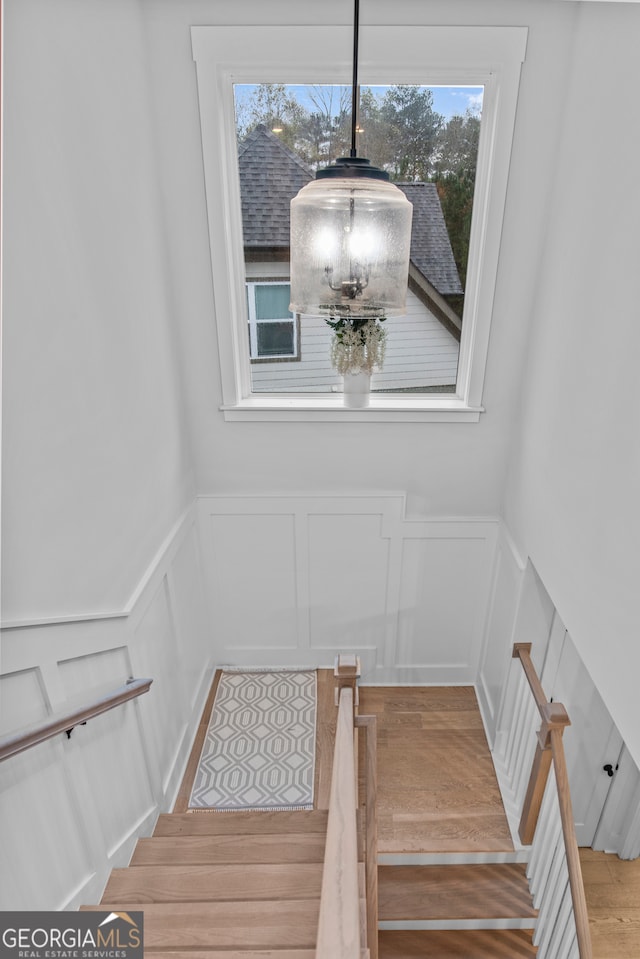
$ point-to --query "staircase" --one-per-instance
(246, 885)
(240, 884)
(449, 909)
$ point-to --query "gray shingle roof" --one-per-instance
(431, 251)
(271, 175)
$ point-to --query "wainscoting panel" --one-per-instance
(348, 567)
(190, 614)
(47, 850)
(251, 579)
(108, 668)
(296, 579)
(108, 750)
(499, 636)
(438, 627)
(22, 699)
(72, 808)
(154, 648)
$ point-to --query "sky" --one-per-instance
(448, 101)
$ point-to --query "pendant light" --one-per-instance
(350, 235)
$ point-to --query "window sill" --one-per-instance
(387, 408)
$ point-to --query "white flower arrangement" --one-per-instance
(358, 344)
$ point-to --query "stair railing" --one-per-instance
(64, 722)
(536, 768)
(340, 934)
(369, 725)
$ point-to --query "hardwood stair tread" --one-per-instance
(231, 954)
(456, 944)
(203, 850)
(189, 883)
(237, 954)
(240, 823)
(476, 891)
(225, 925)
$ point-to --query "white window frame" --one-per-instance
(426, 55)
(292, 318)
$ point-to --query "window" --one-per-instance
(426, 139)
(481, 57)
(273, 330)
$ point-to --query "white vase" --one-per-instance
(357, 387)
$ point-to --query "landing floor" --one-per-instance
(437, 790)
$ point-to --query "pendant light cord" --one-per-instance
(355, 91)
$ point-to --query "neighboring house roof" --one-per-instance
(271, 175)
(431, 251)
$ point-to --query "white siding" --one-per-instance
(420, 352)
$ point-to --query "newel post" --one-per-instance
(347, 673)
(554, 716)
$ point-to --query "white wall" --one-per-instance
(572, 498)
(72, 809)
(445, 469)
(95, 460)
(109, 303)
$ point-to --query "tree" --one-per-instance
(455, 177)
(412, 127)
(272, 105)
(376, 139)
(457, 149)
(331, 103)
(401, 133)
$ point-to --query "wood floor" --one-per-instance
(437, 789)
(438, 793)
(612, 887)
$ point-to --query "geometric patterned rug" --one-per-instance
(259, 750)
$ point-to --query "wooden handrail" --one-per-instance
(554, 716)
(17, 742)
(550, 750)
(578, 898)
(522, 651)
(369, 724)
(339, 921)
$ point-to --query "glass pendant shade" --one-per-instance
(350, 242)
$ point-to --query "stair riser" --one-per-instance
(455, 924)
(241, 823)
(483, 944)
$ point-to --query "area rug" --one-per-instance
(259, 750)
